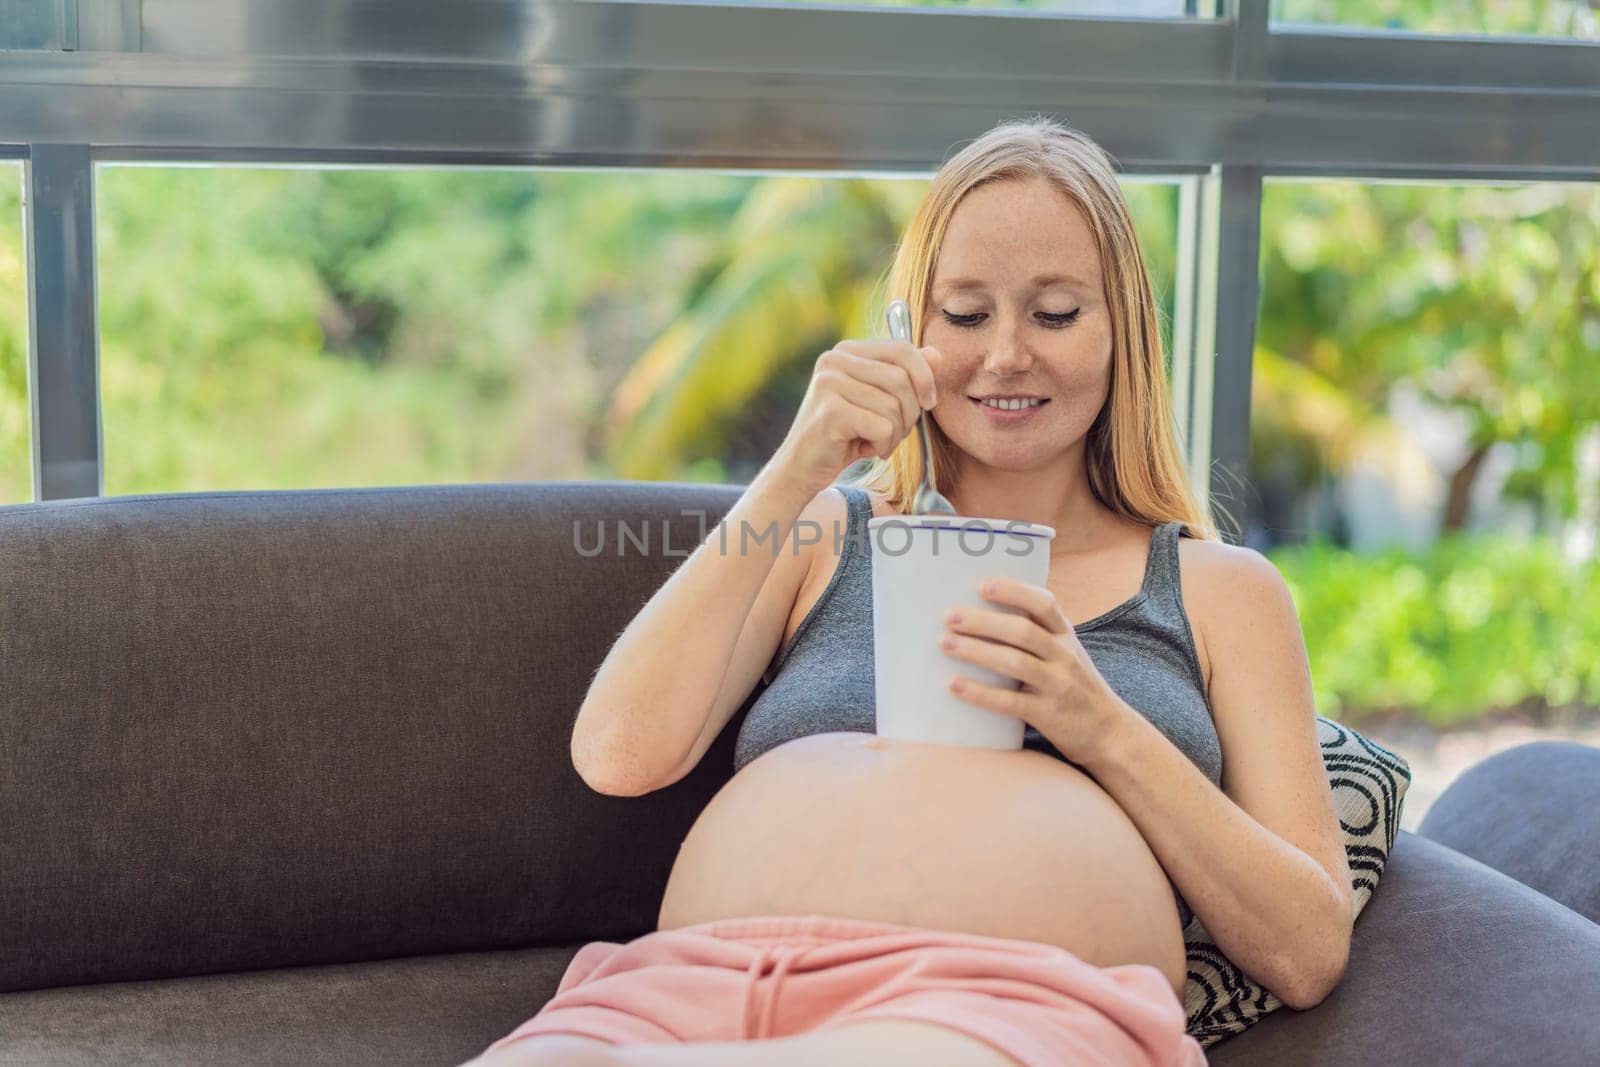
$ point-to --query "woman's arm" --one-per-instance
(721, 612)
(1261, 861)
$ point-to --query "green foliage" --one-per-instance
(1474, 625)
(1485, 299)
(16, 481)
(1544, 18)
(213, 321)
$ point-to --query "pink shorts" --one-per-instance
(775, 976)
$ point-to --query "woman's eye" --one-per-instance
(1056, 321)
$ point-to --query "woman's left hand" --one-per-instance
(1063, 695)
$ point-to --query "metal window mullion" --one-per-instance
(63, 344)
(1226, 400)
(1195, 321)
(1201, 267)
(1227, 255)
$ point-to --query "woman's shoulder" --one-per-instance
(1214, 560)
(1214, 577)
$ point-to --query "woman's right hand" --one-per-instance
(863, 399)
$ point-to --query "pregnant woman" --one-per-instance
(848, 899)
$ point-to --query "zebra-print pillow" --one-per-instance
(1369, 782)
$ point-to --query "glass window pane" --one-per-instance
(299, 328)
(16, 418)
(1425, 436)
(1578, 19)
(292, 328)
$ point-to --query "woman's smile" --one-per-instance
(1010, 415)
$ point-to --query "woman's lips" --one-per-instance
(1002, 417)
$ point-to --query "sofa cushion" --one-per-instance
(423, 1010)
(277, 728)
(1532, 812)
(1451, 963)
(1369, 785)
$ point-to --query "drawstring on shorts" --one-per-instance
(785, 956)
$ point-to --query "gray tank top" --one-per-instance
(1143, 648)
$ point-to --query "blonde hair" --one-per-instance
(1135, 466)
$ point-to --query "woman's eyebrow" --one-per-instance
(1040, 281)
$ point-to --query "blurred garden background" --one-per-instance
(1426, 399)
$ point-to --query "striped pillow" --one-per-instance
(1369, 782)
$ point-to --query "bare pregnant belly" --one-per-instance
(1011, 844)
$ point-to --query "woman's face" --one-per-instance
(1013, 334)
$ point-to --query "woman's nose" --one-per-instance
(1008, 354)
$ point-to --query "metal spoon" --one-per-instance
(928, 500)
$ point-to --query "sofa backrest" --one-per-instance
(258, 729)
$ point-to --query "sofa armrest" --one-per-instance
(1451, 962)
(1532, 812)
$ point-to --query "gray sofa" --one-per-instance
(284, 779)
